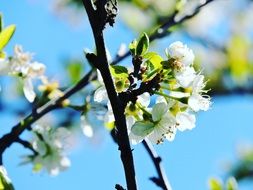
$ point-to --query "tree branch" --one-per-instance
(26, 144)
(162, 180)
(11, 137)
(162, 30)
(117, 106)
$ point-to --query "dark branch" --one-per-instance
(26, 144)
(117, 106)
(11, 137)
(162, 30)
(161, 180)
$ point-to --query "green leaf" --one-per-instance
(119, 71)
(154, 58)
(75, 70)
(215, 184)
(143, 45)
(142, 128)
(231, 184)
(132, 47)
(6, 35)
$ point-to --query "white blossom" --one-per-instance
(50, 145)
(21, 65)
(162, 125)
(185, 76)
(181, 53)
(197, 101)
(185, 120)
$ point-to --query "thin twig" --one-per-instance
(162, 180)
(19, 128)
(162, 30)
(26, 144)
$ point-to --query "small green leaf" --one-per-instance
(154, 58)
(215, 184)
(119, 71)
(75, 69)
(6, 35)
(143, 45)
(231, 184)
(142, 128)
(132, 47)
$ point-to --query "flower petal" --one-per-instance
(158, 111)
(144, 99)
(28, 90)
(185, 121)
(142, 128)
(100, 94)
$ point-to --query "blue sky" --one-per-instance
(189, 160)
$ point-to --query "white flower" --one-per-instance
(185, 120)
(181, 53)
(185, 76)
(134, 139)
(86, 127)
(21, 65)
(196, 101)
(144, 99)
(100, 95)
(50, 146)
(162, 125)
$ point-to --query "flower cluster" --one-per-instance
(21, 65)
(173, 82)
(50, 145)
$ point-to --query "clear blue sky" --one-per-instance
(189, 160)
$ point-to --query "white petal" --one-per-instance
(144, 99)
(130, 120)
(86, 127)
(109, 117)
(160, 99)
(197, 102)
(198, 84)
(36, 69)
(28, 90)
(158, 111)
(65, 163)
(134, 139)
(100, 95)
(185, 121)
(181, 53)
(176, 94)
(142, 128)
(186, 76)
(100, 79)
(170, 136)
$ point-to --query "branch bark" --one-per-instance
(11, 137)
(118, 108)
